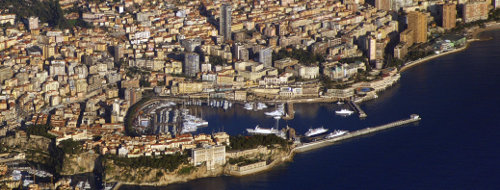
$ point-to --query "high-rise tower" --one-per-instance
(225, 21)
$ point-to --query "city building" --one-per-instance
(225, 21)
(191, 64)
(33, 23)
(190, 45)
(118, 52)
(210, 155)
(449, 16)
(474, 11)
(266, 57)
(382, 4)
(417, 22)
(372, 48)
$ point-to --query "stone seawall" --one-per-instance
(326, 142)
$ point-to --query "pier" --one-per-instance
(290, 112)
(326, 142)
(356, 107)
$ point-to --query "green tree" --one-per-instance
(217, 60)
(69, 146)
(40, 130)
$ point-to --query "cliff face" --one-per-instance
(79, 163)
(154, 176)
(161, 177)
(36, 148)
(24, 143)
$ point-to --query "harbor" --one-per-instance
(326, 142)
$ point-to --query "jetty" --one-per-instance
(326, 142)
(289, 111)
(356, 107)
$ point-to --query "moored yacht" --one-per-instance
(344, 112)
(263, 131)
(336, 133)
(316, 131)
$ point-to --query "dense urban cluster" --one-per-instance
(75, 67)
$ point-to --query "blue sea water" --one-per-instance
(455, 146)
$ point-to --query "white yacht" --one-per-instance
(316, 131)
(280, 111)
(344, 112)
(263, 131)
(248, 106)
(336, 133)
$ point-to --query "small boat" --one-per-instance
(340, 103)
(344, 112)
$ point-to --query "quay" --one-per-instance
(362, 113)
(326, 142)
(290, 112)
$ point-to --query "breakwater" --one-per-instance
(326, 142)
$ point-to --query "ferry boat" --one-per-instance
(336, 133)
(344, 112)
(263, 131)
(316, 131)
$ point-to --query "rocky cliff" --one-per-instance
(154, 176)
(79, 163)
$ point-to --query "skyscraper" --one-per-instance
(266, 57)
(119, 51)
(449, 16)
(372, 48)
(225, 21)
(191, 64)
(417, 22)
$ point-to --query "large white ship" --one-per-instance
(344, 112)
(336, 133)
(263, 131)
(316, 131)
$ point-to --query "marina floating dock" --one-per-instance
(326, 142)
